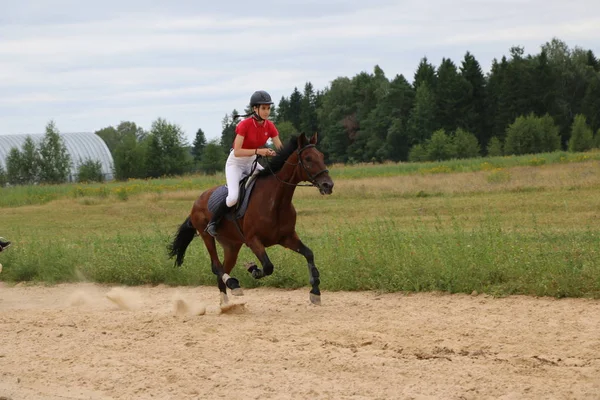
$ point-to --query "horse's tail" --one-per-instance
(185, 234)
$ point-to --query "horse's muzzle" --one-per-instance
(325, 186)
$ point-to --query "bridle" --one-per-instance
(311, 178)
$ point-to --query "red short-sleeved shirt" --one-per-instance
(255, 135)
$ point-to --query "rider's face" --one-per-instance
(263, 110)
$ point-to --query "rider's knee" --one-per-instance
(231, 202)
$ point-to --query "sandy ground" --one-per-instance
(72, 342)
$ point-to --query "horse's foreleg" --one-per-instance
(259, 251)
(224, 281)
(294, 243)
(230, 255)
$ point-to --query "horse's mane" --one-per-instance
(275, 164)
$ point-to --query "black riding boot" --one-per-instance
(3, 243)
(212, 226)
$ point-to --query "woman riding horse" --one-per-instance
(270, 217)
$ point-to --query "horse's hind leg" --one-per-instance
(294, 243)
(259, 251)
(224, 281)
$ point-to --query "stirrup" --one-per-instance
(211, 229)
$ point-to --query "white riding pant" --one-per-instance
(235, 169)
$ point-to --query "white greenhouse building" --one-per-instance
(80, 146)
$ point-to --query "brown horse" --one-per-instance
(270, 217)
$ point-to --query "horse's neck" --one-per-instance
(286, 183)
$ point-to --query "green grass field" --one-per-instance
(511, 225)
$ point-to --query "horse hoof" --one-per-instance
(232, 283)
(237, 292)
(257, 274)
(315, 299)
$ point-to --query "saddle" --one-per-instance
(219, 195)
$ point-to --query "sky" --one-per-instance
(90, 65)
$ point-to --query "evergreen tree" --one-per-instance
(284, 110)
(494, 123)
(308, 111)
(544, 95)
(295, 109)
(474, 102)
(425, 73)
(229, 124)
(397, 141)
(198, 145)
(582, 137)
(422, 122)
(592, 61)
(393, 113)
(369, 91)
(591, 102)
(451, 94)
(55, 164)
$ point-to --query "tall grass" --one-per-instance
(522, 230)
(372, 256)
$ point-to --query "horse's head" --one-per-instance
(312, 164)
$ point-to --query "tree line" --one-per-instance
(524, 98)
(525, 104)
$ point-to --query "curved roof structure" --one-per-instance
(80, 146)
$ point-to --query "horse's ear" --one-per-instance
(313, 139)
(302, 140)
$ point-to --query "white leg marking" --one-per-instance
(224, 299)
(225, 278)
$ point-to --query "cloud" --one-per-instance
(93, 67)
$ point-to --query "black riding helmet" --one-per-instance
(260, 97)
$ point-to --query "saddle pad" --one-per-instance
(220, 194)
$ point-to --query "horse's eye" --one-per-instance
(308, 159)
